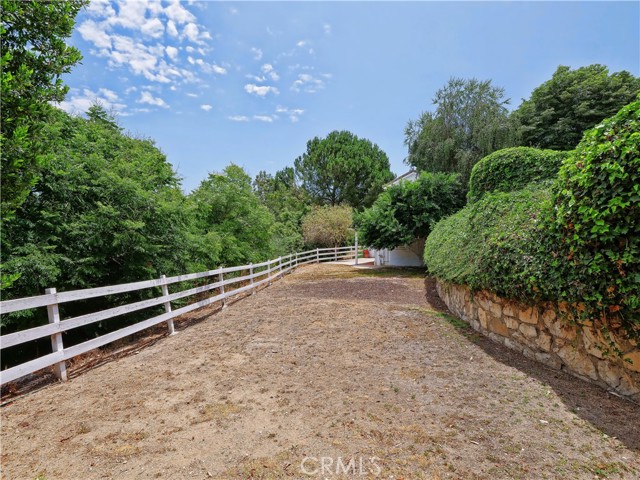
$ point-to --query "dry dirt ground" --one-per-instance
(330, 370)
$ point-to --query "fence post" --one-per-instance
(167, 305)
(221, 280)
(280, 265)
(335, 253)
(269, 273)
(53, 313)
(356, 248)
(317, 255)
(253, 289)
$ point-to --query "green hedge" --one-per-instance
(575, 239)
(597, 200)
(512, 169)
(499, 243)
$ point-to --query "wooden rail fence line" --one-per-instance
(259, 274)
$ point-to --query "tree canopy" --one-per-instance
(34, 56)
(409, 210)
(343, 169)
(572, 101)
(470, 121)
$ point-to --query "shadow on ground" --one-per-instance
(610, 414)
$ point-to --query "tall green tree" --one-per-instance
(470, 121)
(288, 203)
(408, 210)
(343, 169)
(229, 212)
(106, 208)
(33, 56)
(572, 101)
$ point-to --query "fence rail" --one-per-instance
(258, 274)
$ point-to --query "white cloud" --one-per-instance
(192, 32)
(207, 67)
(260, 91)
(177, 13)
(94, 33)
(238, 118)
(301, 43)
(108, 94)
(147, 98)
(218, 69)
(172, 52)
(192, 95)
(327, 29)
(137, 22)
(153, 27)
(263, 118)
(256, 78)
(79, 101)
(257, 53)
(206, 107)
(172, 29)
(293, 113)
(307, 83)
(233, 11)
(267, 69)
(131, 14)
(100, 8)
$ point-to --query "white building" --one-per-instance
(405, 255)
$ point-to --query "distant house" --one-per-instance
(405, 255)
(410, 176)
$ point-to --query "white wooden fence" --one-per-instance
(258, 274)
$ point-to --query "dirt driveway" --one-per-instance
(328, 371)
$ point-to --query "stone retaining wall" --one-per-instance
(538, 333)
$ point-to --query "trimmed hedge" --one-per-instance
(512, 169)
(500, 243)
(597, 200)
(575, 239)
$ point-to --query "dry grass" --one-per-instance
(330, 362)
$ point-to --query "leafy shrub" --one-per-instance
(575, 240)
(597, 199)
(328, 226)
(409, 210)
(512, 169)
(500, 243)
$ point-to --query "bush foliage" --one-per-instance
(512, 169)
(328, 226)
(409, 210)
(574, 239)
(597, 199)
(499, 243)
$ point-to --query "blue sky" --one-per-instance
(251, 82)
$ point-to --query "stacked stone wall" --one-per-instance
(544, 333)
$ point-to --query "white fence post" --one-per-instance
(269, 273)
(221, 280)
(167, 305)
(317, 255)
(53, 312)
(356, 248)
(253, 290)
(335, 253)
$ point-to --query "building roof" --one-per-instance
(410, 176)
